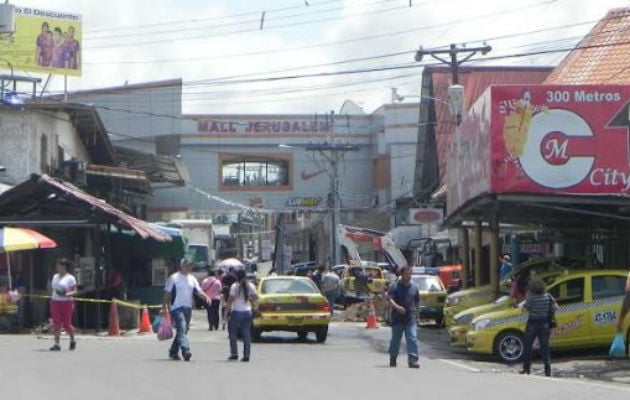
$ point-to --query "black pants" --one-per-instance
(537, 329)
(213, 314)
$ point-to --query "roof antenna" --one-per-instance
(262, 20)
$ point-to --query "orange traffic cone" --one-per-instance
(145, 323)
(372, 323)
(114, 327)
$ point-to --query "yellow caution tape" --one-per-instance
(102, 301)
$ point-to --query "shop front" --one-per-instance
(84, 228)
(553, 159)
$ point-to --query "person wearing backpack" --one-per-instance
(404, 296)
(541, 307)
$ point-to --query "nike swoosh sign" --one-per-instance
(306, 176)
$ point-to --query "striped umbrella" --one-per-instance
(16, 239)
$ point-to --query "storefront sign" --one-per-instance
(419, 216)
(303, 201)
(265, 126)
(544, 139)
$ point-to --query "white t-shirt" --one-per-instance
(330, 282)
(240, 303)
(64, 283)
(185, 286)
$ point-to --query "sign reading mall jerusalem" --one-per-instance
(544, 140)
(300, 125)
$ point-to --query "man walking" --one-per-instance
(178, 296)
(331, 288)
(404, 298)
(625, 307)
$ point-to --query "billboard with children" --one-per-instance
(44, 41)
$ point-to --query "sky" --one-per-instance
(226, 60)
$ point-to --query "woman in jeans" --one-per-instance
(540, 305)
(242, 294)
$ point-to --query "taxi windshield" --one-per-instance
(427, 283)
(285, 286)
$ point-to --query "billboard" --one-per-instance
(44, 41)
(561, 139)
(544, 139)
(468, 156)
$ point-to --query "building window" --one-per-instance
(255, 172)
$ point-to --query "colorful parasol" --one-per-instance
(230, 263)
(16, 239)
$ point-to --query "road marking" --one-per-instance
(583, 383)
(459, 365)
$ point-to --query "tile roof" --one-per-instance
(603, 56)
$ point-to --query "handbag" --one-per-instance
(165, 330)
(618, 347)
(553, 323)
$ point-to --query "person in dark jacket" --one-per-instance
(540, 306)
(404, 297)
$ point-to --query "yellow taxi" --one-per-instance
(461, 321)
(377, 282)
(293, 304)
(465, 299)
(590, 302)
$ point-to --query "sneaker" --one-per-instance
(232, 358)
(55, 347)
(392, 362)
(187, 355)
(245, 359)
(414, 365)
(73, 345)
(174, 356)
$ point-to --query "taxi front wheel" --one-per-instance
(510, 346)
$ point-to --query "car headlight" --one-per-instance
(481, 324)
(452, 300)
(464, 319)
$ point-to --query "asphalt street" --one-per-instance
(349, 365)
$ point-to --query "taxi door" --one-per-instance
(607, 293)
(348, 279)
(573, 313)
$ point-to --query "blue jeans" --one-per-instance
(181, 320)
(537, 329)
(410, 330)
(240, 322)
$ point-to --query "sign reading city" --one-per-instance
(543, 139)
(296, 125)
(44, 41)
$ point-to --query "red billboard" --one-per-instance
(548, 139)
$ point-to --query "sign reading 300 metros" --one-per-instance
(44, 41)
(560, 139)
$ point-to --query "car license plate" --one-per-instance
(295, 320)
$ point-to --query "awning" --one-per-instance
(133, 180)
(43, 200)
(4, 188)
(159, 169)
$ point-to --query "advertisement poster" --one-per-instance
(560, 139)
(44, 42)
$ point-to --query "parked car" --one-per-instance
(293, 304)
(465, 299)
(590, 302)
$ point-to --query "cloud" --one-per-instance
(445, 21)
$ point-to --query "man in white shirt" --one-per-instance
(179, 291)
(331, 288)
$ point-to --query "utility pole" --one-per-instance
(453, 52)
(333, 153)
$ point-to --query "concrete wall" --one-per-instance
(20, 141)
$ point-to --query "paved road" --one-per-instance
(348, 366)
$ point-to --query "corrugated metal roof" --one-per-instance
(36, 192)
(603, 56)
(475, 80)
